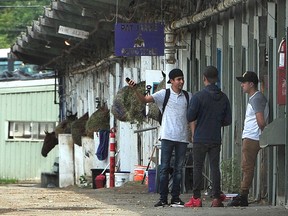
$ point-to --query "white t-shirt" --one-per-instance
(256, 103)
(174, 125)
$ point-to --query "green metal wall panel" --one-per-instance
(22, 159)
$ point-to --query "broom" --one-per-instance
(101, 177)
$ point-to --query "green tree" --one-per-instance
(15, 16)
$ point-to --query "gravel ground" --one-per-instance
(130, 199)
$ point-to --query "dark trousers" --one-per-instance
(167, 148)
(199, 155)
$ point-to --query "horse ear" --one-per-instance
(46, 132)
(68, 113)
(163, 74)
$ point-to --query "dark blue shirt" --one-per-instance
(211, 110)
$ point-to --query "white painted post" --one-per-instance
(66, 167)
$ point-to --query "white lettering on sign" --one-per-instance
(144, 27)
(73, 32)
(139, 51)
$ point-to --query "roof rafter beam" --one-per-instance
(85, 21)
(73, 9)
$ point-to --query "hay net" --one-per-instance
(127, 107)
(78, 129)
(99, 120)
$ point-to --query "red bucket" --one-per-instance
(100, 181)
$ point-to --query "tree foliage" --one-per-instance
(15, 16)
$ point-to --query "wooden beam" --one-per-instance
(35, 52)
(42, 37)
(104, 3)
(28, 57)
(45, 30)
(42, 46)
(55, 23)
(85, 21)
(73, 9)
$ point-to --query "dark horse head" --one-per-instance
(50, 141)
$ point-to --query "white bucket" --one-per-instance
(120, 178)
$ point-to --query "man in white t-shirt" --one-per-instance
(255, 120)
(174, 134)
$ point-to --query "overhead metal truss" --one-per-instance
(42, 43)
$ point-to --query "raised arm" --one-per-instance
(141, 97)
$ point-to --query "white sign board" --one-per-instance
(73, 32)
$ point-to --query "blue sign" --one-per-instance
(139, 39)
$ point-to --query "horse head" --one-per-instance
(64, 127)
(50, 141)
(71, 117)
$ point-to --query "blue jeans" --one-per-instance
(199, 153)
(167, 148)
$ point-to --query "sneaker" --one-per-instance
(177, 203)
(194, 202)
(239, 200)
(217, 203)
(161, 203)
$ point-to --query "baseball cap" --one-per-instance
(175, 73)
(211, 72)
(248, 76)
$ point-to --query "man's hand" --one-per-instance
(141, 97)
(130, 82)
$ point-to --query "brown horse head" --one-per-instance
(50, 141)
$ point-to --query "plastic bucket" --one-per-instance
(152, 180)
(139, 173)
(100, 181)
(95, 173)
(120, 178)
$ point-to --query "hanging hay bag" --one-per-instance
(127, 107)
(99, 120)
(78, 129)
(119, 110)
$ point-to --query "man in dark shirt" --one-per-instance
(211, 110)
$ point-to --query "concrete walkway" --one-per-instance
(130, 199)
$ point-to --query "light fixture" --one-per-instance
(67, 43)
(83, 12)
(48, 45)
